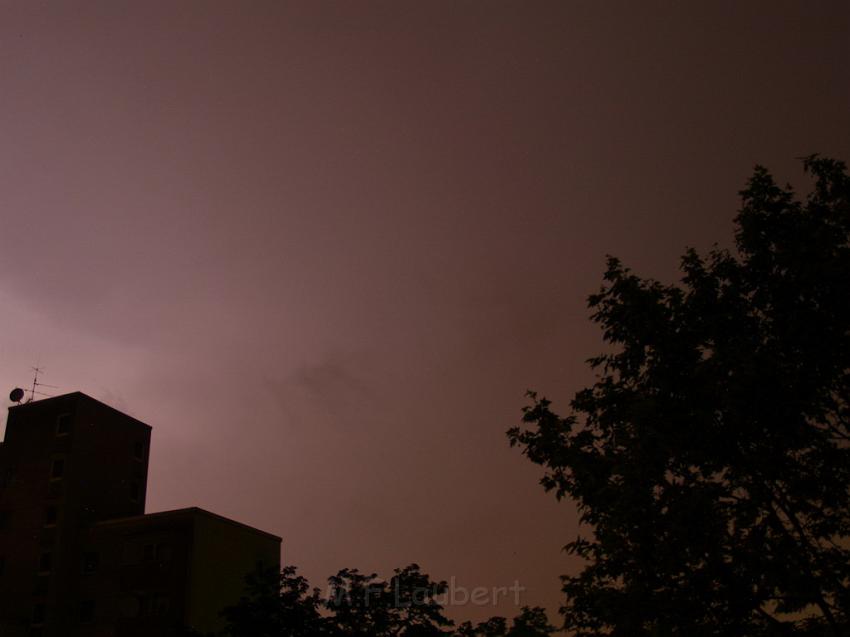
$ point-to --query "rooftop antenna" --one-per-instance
(34, 392)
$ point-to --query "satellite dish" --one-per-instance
(16, 395)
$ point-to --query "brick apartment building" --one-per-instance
(78, 554)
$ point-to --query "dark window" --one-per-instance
(156, 605)
(131, 553)
(129, 606)
(87, 611)
(144, 605)
(51, 514)
(156, 553)
(91, 561)
(2, 564)
(38, 614)
(160, 606)
(139, 451)
(63, 424)
(7, 477)
(135, 491)
(54, 489)
(45, 562)
(163, 552)
(4, 520)
(58, 468)
(41, 585)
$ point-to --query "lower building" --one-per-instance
(151, 574)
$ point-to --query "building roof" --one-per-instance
(77, 395)
(187, 512)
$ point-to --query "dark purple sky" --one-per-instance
(324, 247)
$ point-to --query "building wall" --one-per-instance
(140, 586)
(29, 447)
(161, 572)
(91, 444)
(223, 553)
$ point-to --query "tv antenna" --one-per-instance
(34, 392)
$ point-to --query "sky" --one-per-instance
(324, 248)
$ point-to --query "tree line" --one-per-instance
(409, 604)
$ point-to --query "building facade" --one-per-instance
(78, 555)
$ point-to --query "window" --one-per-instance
(45, 562)
(160, 605)
(63, 425)
(91, 561)
(129, 606)
(163, 552)
(156, 553)
(51, 514)
(41, 585)
(38, 614)
(149, 553)
(87, 611)
(139, 451)
(154, 605)
(54, 489)
(131, 554)
(7, 477)
(57, 470)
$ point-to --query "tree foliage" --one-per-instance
(276, 605)
(359, 604)
(406, 606)
(710, 460)
(531, 622)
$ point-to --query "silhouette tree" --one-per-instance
(283, 605)
(710, 460)
(404, 607)
(493, 627)
(417, 610)
(276, 605)
(359, 603)
(531, 622)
